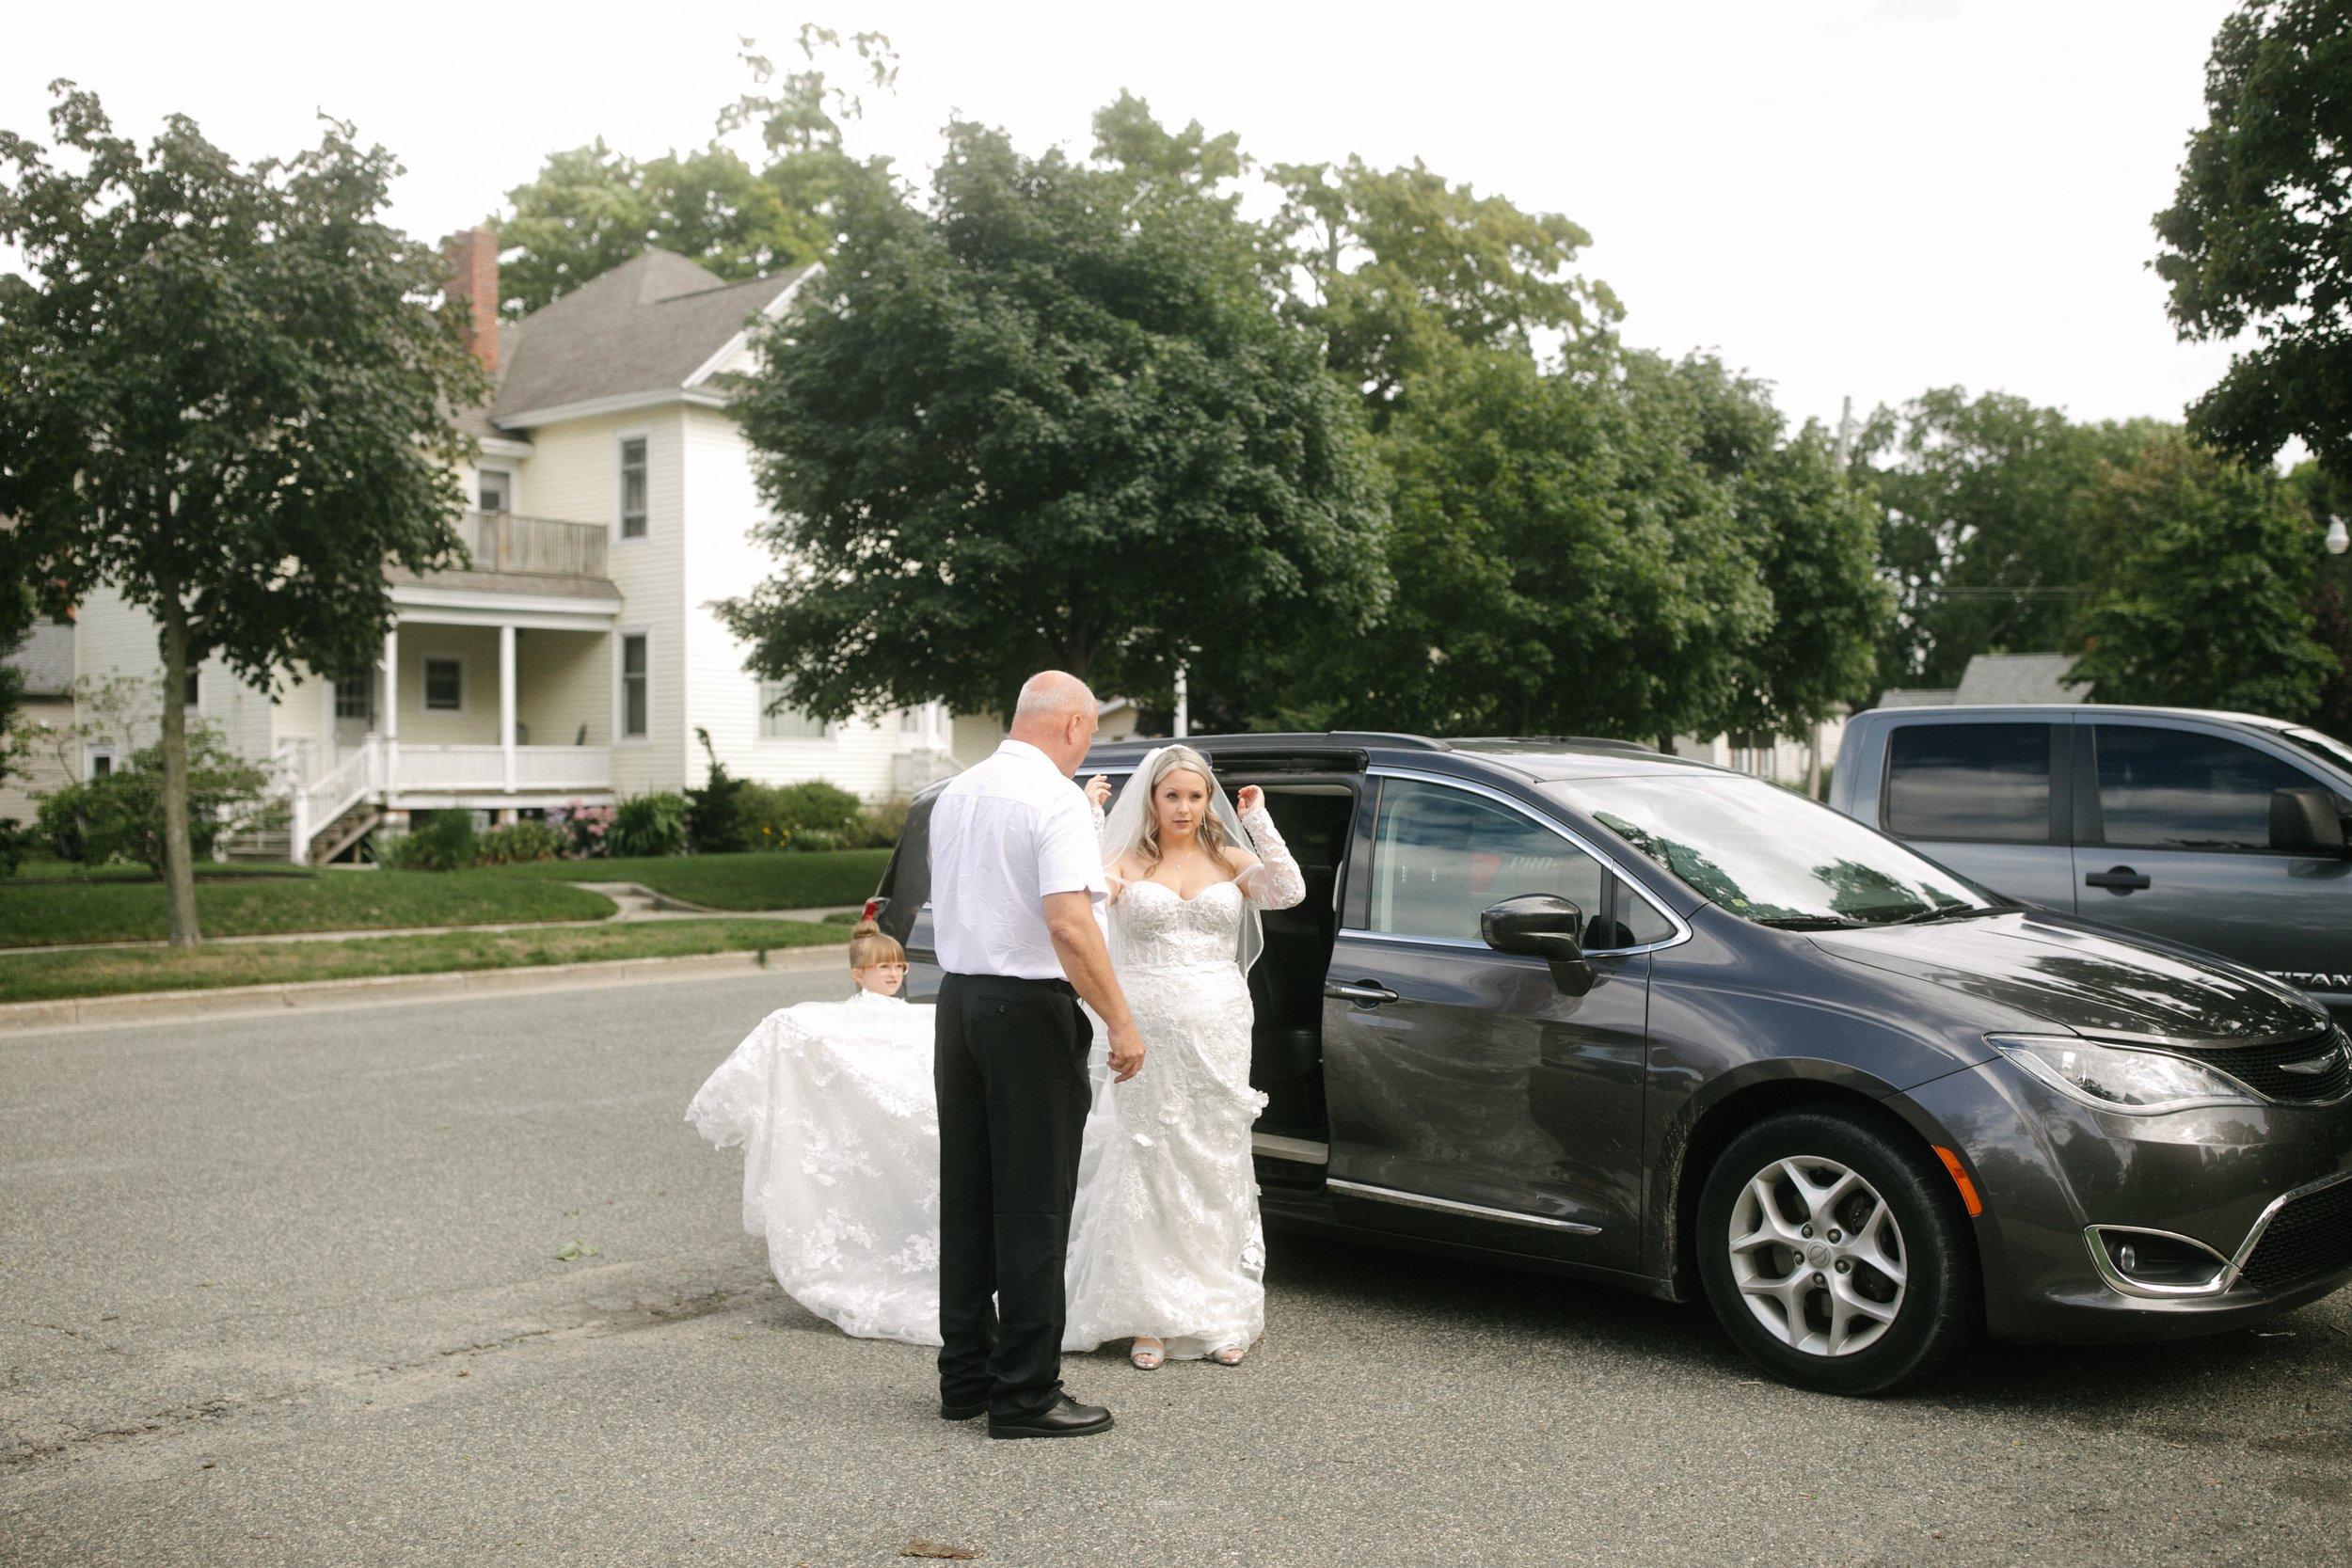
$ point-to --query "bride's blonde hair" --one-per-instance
(1177, 759)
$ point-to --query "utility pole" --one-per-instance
(1183, 706)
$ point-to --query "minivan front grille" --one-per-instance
(2263, 1068)
(2310, 1238)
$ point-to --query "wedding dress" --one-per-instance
(1164, 1241)
(833, 1107)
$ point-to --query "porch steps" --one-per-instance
(344, 832)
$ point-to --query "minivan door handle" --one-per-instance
(2122, 878)
(1364, 993)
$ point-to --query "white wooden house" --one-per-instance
(576, 655)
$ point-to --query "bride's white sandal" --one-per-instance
(1230, 1355)
(1148, 1355)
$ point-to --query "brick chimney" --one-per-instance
(473, 277)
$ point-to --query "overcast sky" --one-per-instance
(1844, 197)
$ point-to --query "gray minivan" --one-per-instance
(2223, 830)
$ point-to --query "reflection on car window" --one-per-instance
(1442, 856)
(1770, 856)
(2322, 745)
(1970, 781)
(2177, 789)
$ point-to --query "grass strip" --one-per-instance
(110, 910)
(45, 977)
(782, 881)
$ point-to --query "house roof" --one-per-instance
(1999, 678)
(648, 325)
(46, 659)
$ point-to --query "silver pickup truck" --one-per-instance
(2222, 830)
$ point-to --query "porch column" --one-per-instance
(391, 713)
(506, 703)
(326, 720)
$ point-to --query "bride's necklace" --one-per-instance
(1189, 876)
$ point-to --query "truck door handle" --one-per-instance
(1364, 993)
(2122, 878)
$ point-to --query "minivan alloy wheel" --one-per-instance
(1818, 1256)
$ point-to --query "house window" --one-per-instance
(444, 686)
(101, 764)
(352, 697)
(633, 487)
(189, 698)
(909, 721)
(779, 720)
(633, 695)
(497, 490)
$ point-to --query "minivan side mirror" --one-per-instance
(2304, 822)
(1541, 925)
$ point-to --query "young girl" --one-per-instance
(834, 1106)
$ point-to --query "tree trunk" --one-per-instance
(179, 864)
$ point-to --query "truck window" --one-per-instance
(2176, 790)
(1969, 782)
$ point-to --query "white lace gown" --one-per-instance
(831, 1102)
(834, 1106)
(1166, 1240)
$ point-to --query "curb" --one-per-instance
(172, 1006)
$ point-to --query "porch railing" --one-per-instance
(473, 769)
(545, 547)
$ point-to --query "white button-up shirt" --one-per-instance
(1004, 834)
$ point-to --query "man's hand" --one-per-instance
(1126, 1053)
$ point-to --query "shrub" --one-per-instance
(583, 829)
(436, 841)
(716, 820)
(647, 825)
(884, 825)
(518, 842)
(120, 815)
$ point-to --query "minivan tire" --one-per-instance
(1863, 1279)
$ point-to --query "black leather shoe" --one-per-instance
(1064, 1417)
(961, 1412)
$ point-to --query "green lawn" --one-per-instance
(41, 868)
(39, 913)
(44, 977)
(757, 882)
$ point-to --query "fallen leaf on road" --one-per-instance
(933, 1548)
(575, 1249)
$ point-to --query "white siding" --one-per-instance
(722, 561)
(574, 473)
(113, 637)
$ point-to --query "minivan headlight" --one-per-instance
(2116, 1078)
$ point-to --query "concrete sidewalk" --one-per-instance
(173, 1007)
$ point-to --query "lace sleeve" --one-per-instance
(1101, 833)
(1275, 882)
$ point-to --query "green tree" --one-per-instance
(590, 209)
(2206, 600)
(1564, 565)
(2259, 235)
(1053, 416)
(226, 396)
(1979, 541)
(2330, 498)
(1394, 266)
(1811, 533)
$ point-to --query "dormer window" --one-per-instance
(496, 489)
(633, 487)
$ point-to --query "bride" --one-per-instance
(833, 1104)
(1165, 1243)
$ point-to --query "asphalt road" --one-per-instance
(287, 1291)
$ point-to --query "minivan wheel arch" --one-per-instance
(1675, 1235)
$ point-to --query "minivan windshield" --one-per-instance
(1770, 856)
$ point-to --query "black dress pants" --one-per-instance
(1011, 1069)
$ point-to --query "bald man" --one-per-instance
(1016, 874)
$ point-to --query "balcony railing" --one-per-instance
(541, 546)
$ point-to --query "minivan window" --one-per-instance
(1969, 782)
(2176, 790)
(2324, 746)
(1768, 855)
(1442, 856)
